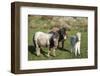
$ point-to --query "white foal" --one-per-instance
(75, 42)
(77, 45)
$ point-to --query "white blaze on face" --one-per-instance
(65, 37)
(55, 39)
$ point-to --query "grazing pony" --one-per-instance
(75, 43)
(49, 40)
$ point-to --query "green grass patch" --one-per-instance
(36, 23)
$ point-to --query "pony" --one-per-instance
(49, 40)
(75, 43)
(62, 35)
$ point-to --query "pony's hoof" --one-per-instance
(54, 55)
(48, 56)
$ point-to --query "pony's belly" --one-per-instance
(42, 42)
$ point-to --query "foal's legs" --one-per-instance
(72, 48)
(76, 49)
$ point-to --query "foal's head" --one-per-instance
(78, 34)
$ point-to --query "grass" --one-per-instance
(60, 53)
(37, 23)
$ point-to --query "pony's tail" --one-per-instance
(34, 41)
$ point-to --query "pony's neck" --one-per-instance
(79, 36)
(50, 35)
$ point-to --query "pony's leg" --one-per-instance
(58, 44)
(49, 51)
(63, 44)
(76, 50)
(54, 54)
(38, 51)
(72, 49)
